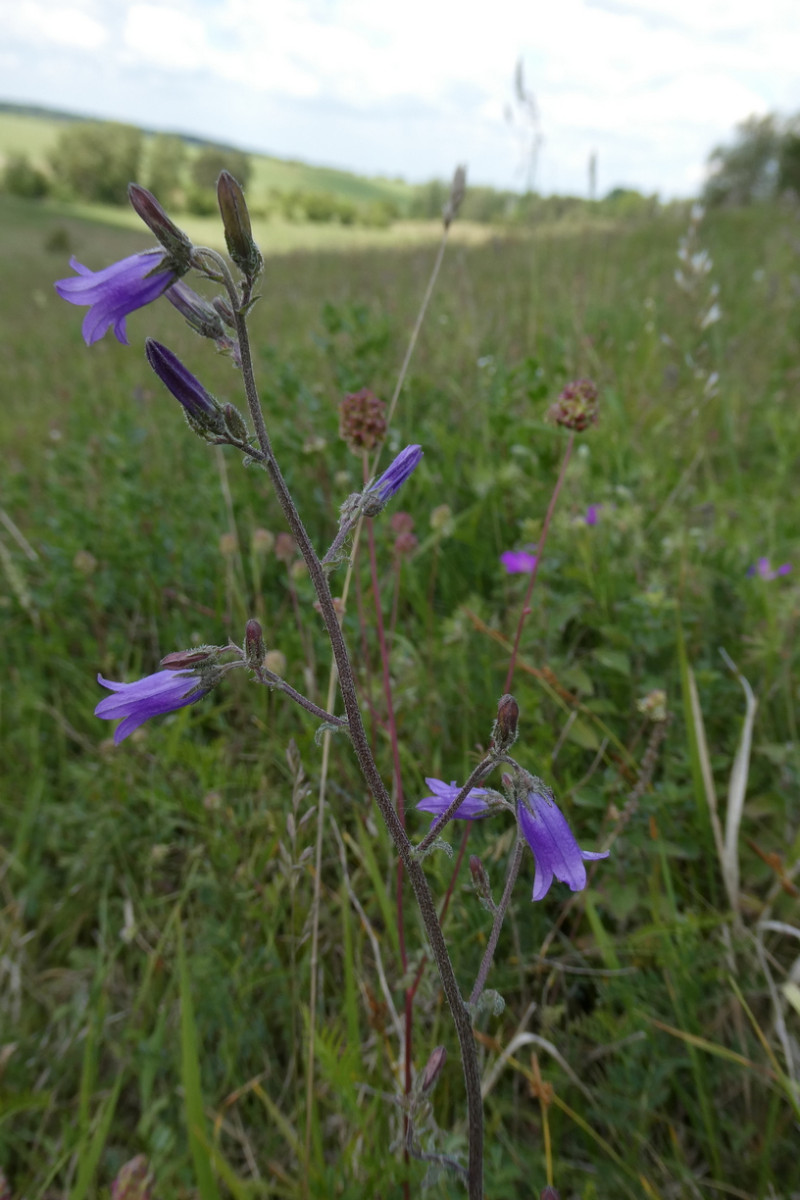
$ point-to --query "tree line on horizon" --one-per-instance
(93, 161)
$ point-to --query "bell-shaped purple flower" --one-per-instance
(151, 696)
(557, 853)
(444, 794)
(116, 291)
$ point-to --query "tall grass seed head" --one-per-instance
(362, 420)
(577, 407)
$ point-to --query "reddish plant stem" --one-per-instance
(539, 555)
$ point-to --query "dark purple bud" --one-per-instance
(504, 733)
(236, 222)
(201, 408)
(433, 1069)
(254, 648)
(392, 479)
(177, 244)
(549, 1193)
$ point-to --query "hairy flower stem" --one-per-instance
(539, 554)
(497, 925)
(416, 875)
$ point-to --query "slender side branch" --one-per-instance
(497, 924)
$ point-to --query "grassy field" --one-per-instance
(660, 1006)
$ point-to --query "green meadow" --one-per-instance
(156, 897)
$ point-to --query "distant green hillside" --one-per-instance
(33, 132)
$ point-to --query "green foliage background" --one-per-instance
(175, 864)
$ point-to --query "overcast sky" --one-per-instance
(414, 87)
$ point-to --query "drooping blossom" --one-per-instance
(116, 291)
(542, 823)
(518, 562)
(151, 696)
(554, 846)
(762, 568)
(470, 809)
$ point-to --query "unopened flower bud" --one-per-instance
(199, 313)
(185, 660)
(433, 1069)
(235, 424)
(201, 409)
(254, 648)
(177, 244)
(480, 878)
(236, 221)
(362, 420)
(457, 189)
(378, 493)
(577, 407)
(133, 1180)
(549, 1193)
(504, 731)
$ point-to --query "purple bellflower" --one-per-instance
(396, 473)
(518, 562)
(444, 794)
(151, 696)
(593, 514)
(763, 569)
(553, 844)
(116, 291)
(543, 825)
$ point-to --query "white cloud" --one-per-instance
(34, 23)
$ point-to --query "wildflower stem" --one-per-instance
(539, 554)
(274, 681)
(497, 924)
(416, 875)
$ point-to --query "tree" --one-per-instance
(748, 170)
(213, 159)
(166, 161)
(21, 178)
(96, 160)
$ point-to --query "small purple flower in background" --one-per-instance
(115, 291)
(763, 569)
(396, 473)
(444, 794)
(151, 696)
(518, 562)
(554, 847)
(593, 514)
